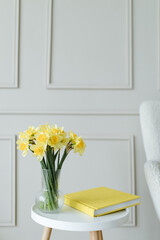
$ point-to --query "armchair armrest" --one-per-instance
(152, 175)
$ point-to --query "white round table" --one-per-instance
(73, 220)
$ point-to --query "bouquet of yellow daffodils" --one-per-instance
(46, 143)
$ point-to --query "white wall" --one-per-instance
(86, 65)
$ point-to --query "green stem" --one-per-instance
(58, 158)
(49, 186)
(50, 157)
(63, 158)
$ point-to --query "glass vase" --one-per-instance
(50, 199)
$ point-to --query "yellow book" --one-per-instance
(100, 201)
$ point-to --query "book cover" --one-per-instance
(99, 201)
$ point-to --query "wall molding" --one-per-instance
(130, 139)
(15, 59)
(70, 113)
(13, 181)
(128, 62)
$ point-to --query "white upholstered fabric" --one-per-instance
(150, 124)
(152, 174)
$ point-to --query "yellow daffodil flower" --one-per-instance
(38, 151)
(73, 137)
(55, 141)
(31, 132)
(44, 128)
(37, 140)
(23, 135)
(57, 137)
(79, 146)
(42, 134)
(77, 143)
(23, 146)
(42, 138)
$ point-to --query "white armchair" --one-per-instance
(150, 124)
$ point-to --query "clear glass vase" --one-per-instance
(50, 199)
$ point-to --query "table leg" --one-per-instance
(100, 235)
(96, 235)
(46, 233)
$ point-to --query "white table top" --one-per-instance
(73, 220)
